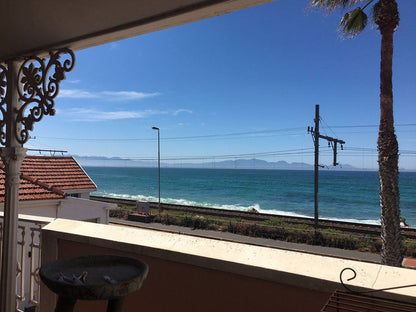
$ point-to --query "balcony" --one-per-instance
(203, 274)
(189, 273)
(29, 259)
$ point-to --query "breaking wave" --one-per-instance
(185, 202)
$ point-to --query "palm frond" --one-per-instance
(353, 22)
(331, 5)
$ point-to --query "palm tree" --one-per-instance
(386, 17)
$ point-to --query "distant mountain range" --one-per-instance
(254, 163)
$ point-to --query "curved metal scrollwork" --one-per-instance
(368, 291)
(38, 85)
(3, 91)
(351, 278)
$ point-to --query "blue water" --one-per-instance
(343, 195)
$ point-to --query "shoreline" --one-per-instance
(352, 227)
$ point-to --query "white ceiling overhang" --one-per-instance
(35, 26)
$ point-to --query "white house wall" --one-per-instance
(43, 208)
(68, 208)
(84, 210)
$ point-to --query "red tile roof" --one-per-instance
(63, 173)
(30, 190)
(48, 178)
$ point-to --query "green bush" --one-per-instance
(409, 246)
(118, 213)
(276, 229)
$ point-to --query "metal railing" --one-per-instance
(351, 300)
(28, 260)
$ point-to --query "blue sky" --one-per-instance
(242, 83)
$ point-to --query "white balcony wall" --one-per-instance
(192, 273)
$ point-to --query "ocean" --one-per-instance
(343, 195)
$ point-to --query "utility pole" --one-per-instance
(158, 164)
(316, 166)
(331, 142)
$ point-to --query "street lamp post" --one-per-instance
(158, 161)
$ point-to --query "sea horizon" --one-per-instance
(242, 163)
(225, 168)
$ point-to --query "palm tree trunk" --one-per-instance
(391, 253)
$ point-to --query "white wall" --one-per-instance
(43, 208)
(67, 208)
(84, 209)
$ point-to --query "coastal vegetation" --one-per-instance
(386, 16)
(270, 228)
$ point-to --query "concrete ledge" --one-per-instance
(31, 218)
(305, 270)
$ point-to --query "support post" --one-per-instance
(158, 167)
(316, 167)
(158, 164)
(12, 155)
(331, 142)
(27, 90)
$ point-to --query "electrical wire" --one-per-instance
(350, 152)
(214, 136)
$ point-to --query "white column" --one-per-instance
(12, 156)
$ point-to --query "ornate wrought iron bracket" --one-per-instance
(37, 85)
(3, 110)
(367, 291)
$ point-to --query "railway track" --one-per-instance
(350, 227)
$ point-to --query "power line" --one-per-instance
(214, 136)
(348, 152)
(374, 126)
(221, 135)
(228, 156)
(375, 150)
(51, 151)
(326, 125)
